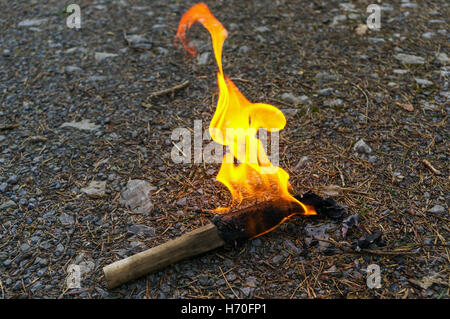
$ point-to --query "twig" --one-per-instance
(228, 284)
(431, 167)
(170, 90)
(8, 126)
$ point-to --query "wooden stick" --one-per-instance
(193, 243)
(170, 90)
(235, 226)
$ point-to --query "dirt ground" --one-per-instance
(341, 83)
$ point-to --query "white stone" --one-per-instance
(409, 58)
(82, 125)
(32, 22)
(96, 189)
(136, 196)
(100, 56)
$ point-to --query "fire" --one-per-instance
(246, 169)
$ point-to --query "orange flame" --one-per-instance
(236, 123)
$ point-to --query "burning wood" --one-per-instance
(231, 228)
(254, 177)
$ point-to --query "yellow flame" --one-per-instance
(236, 123)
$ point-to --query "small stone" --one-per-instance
(182, 201)
(66, 219)
(423, 82)
(136, 196)
(8, 204)
(429, 106)
(203, 58)
(231, 276)
(244, 49)
(333, 103)
(428, 35)
(302, 162)
(3, 187)
(137, 41)
(24, 247)
(409, 58)
(100, 56)
(437, 209)
(72, 69)
(291, 246)
(400, 71)
(41, 261)
(262, 29)
(277, 259)
(82, 125)
(362, 147)
(142, 230)
(162, 51)
(96, 189)
(291, 98)
(12, 180)
(96, 78)
(325, 92)
(337, 19)
(246, 291)
(32, 22)
(325, 76)
(442, 58)
(251, 282)
(60, 248)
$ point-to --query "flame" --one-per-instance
(236, 123)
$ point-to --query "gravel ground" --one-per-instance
(307, 56)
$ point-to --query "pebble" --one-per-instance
(140, 229)
(24, 247)
(3, 187)
(100, 56)
(362, 147)
(276, 260)
(291, 98)
(423, 82)
(437, 209)
(72, 69)
(409, 58)
(66, 219)
(244, 49)
(82, 125)
(136, 196)
(12, 180)
(95, 189)
(333, 103)
(32, 22)
(325, 92)
(428, 35)
(203, 58)
(8, 204)
(442, 58)
(60, 248)
(137, 41)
